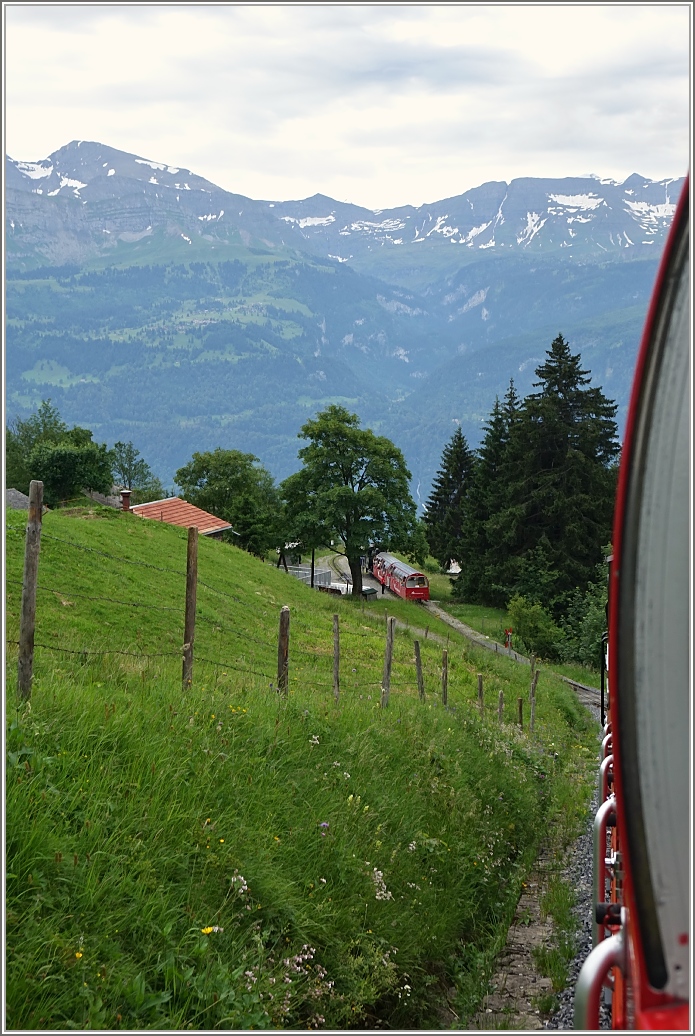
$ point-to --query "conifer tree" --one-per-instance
(486, 540)
(561, 487)
(445, 514)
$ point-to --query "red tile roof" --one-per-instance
(175, 511)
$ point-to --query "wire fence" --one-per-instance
(353, 670)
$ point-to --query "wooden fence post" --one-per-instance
(480, 695)
(284, 650)
(532, 721)
(189, 621)
(520, 706)
(500, 707)
(418, 670)
(445, 676)
(336, 658)
(27, 620)
(388, 659)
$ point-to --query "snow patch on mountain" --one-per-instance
(533, 224)
(440, 227)
(65, 181)
(35, 170)
(649, 216)
(573, 202)
(310, 221)
(468, 239)
(154, 165)
(385, 225)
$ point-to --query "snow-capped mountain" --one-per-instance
(85, 197)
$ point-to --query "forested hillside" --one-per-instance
(159, 309)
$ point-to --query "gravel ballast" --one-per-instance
(579, 873)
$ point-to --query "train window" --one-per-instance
(416, 581)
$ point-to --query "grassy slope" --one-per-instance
(134, 810)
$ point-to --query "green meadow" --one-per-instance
(226, 857)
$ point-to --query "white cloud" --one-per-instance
(380, 105)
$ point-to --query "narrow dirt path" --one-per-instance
(479, 639)
(517, 987)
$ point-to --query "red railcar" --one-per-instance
(400, 578)
(642, 837)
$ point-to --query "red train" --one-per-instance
(400, 578)
(642, 836)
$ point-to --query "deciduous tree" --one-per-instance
(353, 487)
(234, 486)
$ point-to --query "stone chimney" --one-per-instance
(125, 499)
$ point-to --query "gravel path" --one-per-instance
(579, 871)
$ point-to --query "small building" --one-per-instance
(175, 511)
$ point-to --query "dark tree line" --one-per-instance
(527, 514)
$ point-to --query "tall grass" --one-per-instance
(229, 858)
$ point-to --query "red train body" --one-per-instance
(642, 837)
(400, 578)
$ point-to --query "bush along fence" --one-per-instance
(280, 678)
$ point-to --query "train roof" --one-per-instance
(397, 566)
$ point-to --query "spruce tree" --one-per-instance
(445, 515)
(486, 541)
(560, 502)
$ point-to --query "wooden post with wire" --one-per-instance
(445, 676)
(500, 707)
(27, 619)
(418, 670)
(189, 621)
(336, 658)
(284, 650)
(520, 706)
(388, 659)
(481, 707)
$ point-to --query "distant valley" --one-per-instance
(154, 306)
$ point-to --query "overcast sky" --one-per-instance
(377, 105)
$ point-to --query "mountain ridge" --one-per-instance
(586, 216)
(156, 307)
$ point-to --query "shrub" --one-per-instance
(535, 628)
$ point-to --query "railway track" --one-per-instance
(586, 695)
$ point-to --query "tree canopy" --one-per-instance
(353, 487)
(131, 471)
(541, 498)
(234, 486)
(67, 460)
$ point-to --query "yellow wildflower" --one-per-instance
(206, 931)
